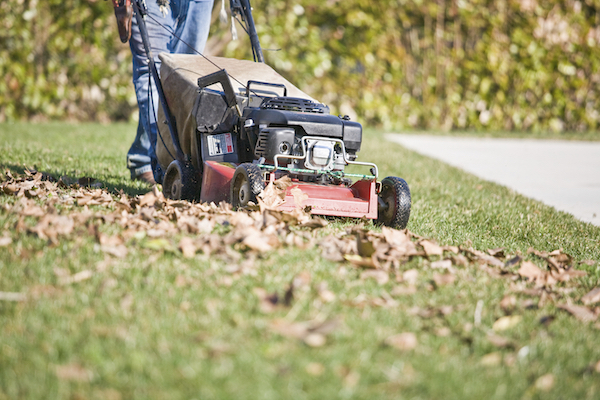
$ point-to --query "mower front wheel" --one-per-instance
(246, 185)
(394, 203)
(181, 182)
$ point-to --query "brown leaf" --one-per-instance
(312, 333)
(443, 279)
(267, 302)
(530, 271)
(442, 264)
(499, 341)
(403, 290)
(491, 359)
(402, 341)
(564, 275)
(592, 297)
(73, 372)
(5, 241)
(498, 252)
(544, 382)
(410, 276)
(443, 331)
(508, 303)
(119, 251)
(359, 261)
(271, 197)
(580, 312)
(315, 340)
(187, 247)
(299, 197)
(485, 258)
(78, 277)
(431, 249)
(507, 322)
(382, 277)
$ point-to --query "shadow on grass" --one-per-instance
(132, 189)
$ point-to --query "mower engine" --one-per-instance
(301, 136)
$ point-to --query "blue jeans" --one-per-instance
(190, 21)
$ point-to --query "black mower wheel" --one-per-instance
(247, 183)
(394, 203)
(181, 182)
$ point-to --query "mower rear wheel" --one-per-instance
(246, 185)
(181, 182)
(394, 203)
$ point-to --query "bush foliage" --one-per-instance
(442, 64)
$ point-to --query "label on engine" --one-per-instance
(219, 144)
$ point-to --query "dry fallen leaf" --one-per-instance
(410, 276)
(444, 331)
(442, 264)
(431, 249)
(78, 277)
(382, 277)
(443, 279)
(299, 197)
(403, 290)
(498, 341)
(187, 247)
(402, 341)
(592, 297)
(313, 333)
(507, 322)
(544, 382)
(580, 312)
(530, 271)
(119, 251)
(73, 372)
(508, 303)
(5, 241)
(491, 359)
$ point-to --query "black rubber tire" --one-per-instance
(246, 185)
(395, 202)
(181, 182)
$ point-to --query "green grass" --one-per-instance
(156, 325)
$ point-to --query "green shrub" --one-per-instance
(445, 64)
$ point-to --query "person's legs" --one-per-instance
(141, 155)
(193, 27)
(138, 159)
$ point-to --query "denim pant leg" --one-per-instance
(193, 27)
(190, 20)
(142, 152)
(138, 159)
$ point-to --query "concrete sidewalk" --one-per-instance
(562, 174)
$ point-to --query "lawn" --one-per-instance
(127, 303)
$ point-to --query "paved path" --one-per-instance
(562, 174)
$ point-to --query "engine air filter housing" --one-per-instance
(294, 104)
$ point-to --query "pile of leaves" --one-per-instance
(64, 209)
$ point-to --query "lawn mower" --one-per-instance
(228, 127)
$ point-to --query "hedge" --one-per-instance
(442, 64)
